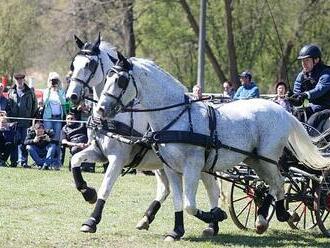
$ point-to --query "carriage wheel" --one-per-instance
(322, 208)
(299, 200)
(246, 196)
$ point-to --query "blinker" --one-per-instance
(122, 80)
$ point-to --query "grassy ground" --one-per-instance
(43, 209)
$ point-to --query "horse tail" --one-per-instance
(300, 143)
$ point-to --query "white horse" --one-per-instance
(260, 129)
(89, 68)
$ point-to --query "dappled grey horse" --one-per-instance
(254, 131)
(89, 68)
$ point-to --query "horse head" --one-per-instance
(119, 91)
(89, 67)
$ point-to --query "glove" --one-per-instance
(298, 99)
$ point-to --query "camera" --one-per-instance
(54, 82)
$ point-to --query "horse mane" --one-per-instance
(151, 65)
(105, 45)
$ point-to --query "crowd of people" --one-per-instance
(41, 128)
(312, 84)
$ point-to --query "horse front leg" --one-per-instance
(116, 164)
(90, 154)
(213, 192)
(175, 181)
(163, 191)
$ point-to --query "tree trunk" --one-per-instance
(210, 55)
(128, 26)
(231, 46)
(282, 71)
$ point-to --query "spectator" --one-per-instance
(54, 106)
(42, 147)
(281, 99)
(3, 100)
(197, 92)
(228, 89)
(248, 88)
(40, 110)
(7, 139)
(74, 136)
(312, 83)
(22, 104)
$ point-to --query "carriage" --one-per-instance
(307, 191)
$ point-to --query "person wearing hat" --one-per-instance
(248, 88)
(42, 147)
(312, 83)
(22, 104)
(54, 105)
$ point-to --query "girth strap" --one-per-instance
(213, 133)
(186, 137)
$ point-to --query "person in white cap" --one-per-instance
(54, 107)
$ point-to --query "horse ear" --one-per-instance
(79, 43)
(98, 41)
(122, 61)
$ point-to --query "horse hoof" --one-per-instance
(143, 224)
(261, 225)
(208, 232)
(169, 239)
(173, 236)
(89, 226)
(87, 229)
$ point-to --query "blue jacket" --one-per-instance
(247, 91)
(317, 84)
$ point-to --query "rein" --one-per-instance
(209, 98)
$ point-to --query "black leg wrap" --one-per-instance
(216, 214)
(89, 194)
(152, 210)
(178, 231)
(263, 210)
(281, 214)
(97, 213)
(78, 179)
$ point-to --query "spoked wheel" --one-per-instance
(322, 207)
(245, 198)
(299, 200)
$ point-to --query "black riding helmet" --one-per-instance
(309, 51)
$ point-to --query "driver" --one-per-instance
(312, 83)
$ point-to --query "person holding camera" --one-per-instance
(42, 147)
(54, 106)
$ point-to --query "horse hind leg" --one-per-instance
(163, 190)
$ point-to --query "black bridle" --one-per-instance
(92, 66)
(123, 79)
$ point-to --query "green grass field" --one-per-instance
(43, 209)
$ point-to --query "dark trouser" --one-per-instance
(19, 153)
(88, 167)
(5, 150)
(320, 120)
